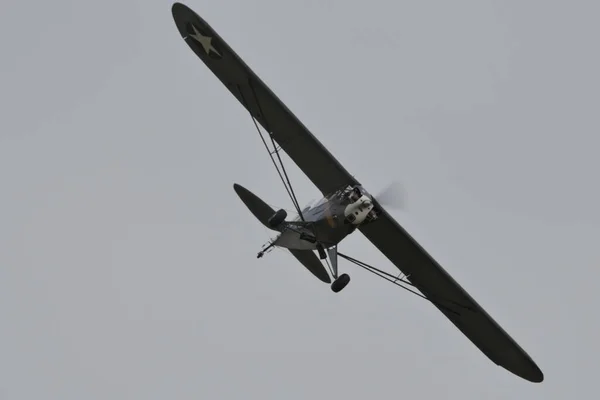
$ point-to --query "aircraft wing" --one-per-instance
(290, 134)
(448, 296)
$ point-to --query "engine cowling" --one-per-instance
(357, 212)
(277, 218)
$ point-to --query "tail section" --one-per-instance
(261, 210)
(267, 216)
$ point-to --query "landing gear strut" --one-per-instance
(321, 251)
(340, 281)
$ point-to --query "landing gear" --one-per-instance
(321, 251)
(340, 283)
(277, 218)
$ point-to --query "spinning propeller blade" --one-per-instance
(392, 196)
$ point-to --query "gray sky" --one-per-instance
(128, 266)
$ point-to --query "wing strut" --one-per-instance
(282, 173)
(401, 281)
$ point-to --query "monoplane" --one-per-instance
(318, 229)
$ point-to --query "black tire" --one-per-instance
(277, 218)
(341, 282)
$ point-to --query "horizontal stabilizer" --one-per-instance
(309, 259)
(261, 210)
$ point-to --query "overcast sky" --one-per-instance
(127, 262)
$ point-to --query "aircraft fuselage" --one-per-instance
(329, 220)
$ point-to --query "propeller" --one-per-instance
(392, 196)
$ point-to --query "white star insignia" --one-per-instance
(205, 41)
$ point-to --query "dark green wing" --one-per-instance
(448, 296)
(290, 134)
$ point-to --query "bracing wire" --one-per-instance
(284, 177)
(275, 150)
(398, 281)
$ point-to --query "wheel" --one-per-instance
(277, 218)
(341, 282)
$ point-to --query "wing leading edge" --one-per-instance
(328, 175)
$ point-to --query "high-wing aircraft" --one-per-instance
(345, 207)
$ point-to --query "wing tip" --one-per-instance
(534, 374)
(539, 378)
(526, 369)
(177, 7)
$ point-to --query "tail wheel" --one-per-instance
(341, 282)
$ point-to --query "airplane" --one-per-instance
(346, 206)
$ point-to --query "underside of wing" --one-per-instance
(449, 297)
(291, 135)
